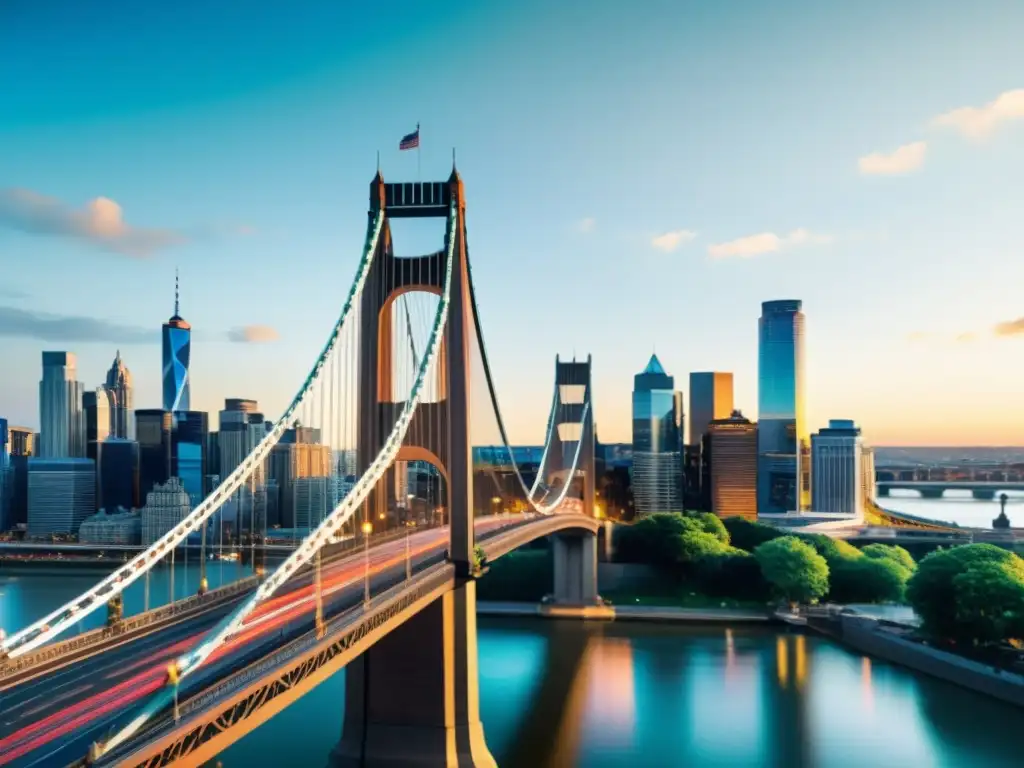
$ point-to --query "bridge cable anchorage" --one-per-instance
(64, 617)
(530, 490)
(224, 631)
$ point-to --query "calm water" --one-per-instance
(608, 695)
(957, 507)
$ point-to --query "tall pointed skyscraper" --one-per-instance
(657, 463)
(62, 425)
(119, 384)
(177, 348)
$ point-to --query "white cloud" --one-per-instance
(253, 334)
(586, 226)
(766, 242)
(979, 122)
(903, 159)
(101, 222)
(669, 241)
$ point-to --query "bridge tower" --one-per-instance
(441, 429)
(413, 698)
(573, 423)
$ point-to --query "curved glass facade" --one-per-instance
(657, 461)
(177, 347)
(782, 425)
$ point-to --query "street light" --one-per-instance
(367, 530)
(495, 501)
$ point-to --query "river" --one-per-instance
(956, 507)
(629, 694)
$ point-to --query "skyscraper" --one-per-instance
(177, 348)
(189, 440)
(298, 454)
(710, 399)
(154, 434)
(98, 411)
(119, 385)
(657, 459)
(782, 427)
(732, 449)
(5, 449)
(118, 473)
(241, 429)
(22, 441)
(838, 481)
(61, 494)
(62, 427)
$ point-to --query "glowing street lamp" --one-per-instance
(367, 530)
(495, 501)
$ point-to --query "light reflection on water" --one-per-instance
(956, 507)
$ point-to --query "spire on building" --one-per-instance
(176, 292)
(654, 366)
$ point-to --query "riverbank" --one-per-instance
(665, 613)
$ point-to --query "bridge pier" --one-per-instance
(883, 490)
(412, 699)
(983, 494)
(575, 556)
(932, 493)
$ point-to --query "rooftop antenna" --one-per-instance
(378, 161)
(176, 291)
(453, 158)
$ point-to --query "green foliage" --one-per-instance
(867, 580)
(748, 535)
(711, 523)
(667, 541)
(735, 574)
(795, 571)
(833, 550)
(990, 601)
(896, 554)
(931, 591)
(524, 575)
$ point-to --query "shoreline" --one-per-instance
(664, 614)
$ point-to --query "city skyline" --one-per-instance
(870, 193)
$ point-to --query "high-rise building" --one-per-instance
(22, 441)
(61, 494)
(732, 447)
(191, 435)
(62, 427)
(118, 472)
(17, 490)
(177, 349)
(167, 504)
(119, 385)
(5, 448)
(657, 444)
(837, 480)
(153, 431)
(311, 500)
(782, 427)
(299, 453)
(867, 470)
(711, 396)
(241, 429)
(98, 412)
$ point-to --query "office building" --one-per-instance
(119, 385)
(118, 472)
(5, 448)
(311, 501)
(781, 428)
(61, 494)
(838, 483)
(153, 432)
(711, 396)
(62, 426)
(731, 444)
(6, 480)
(21, 441)
(298, 454)
(657, 444)
(242, 427)
(166, 505)
(176, 351)
(98, 412)
(120, 526)
(17, 490)
(867, 470)
(189, 440)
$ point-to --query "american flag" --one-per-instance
(410, 140)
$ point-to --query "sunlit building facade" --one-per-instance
(62, 426)
(119, 385)
(177, 349)
(732, 447)
(711, 397)
(298, 454)
(836, 472)
(782, 438)
(867, 472)
(657, 443)
(97, 407)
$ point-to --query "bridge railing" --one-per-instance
(74, 645)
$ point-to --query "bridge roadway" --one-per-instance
(52, 719)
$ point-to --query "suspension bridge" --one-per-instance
(403, 380)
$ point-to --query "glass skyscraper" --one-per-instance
(62, 424)
(177, 348)
(782, 439)
(189, 440)
(657, 442)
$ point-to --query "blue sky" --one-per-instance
(640, 177)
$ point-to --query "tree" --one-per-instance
(735, 574)
(990, 601)
(833, 550)
(666, 540)
(867, 580)
(747, 534)
(931, 592)
(892, 552)
(795, 571)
